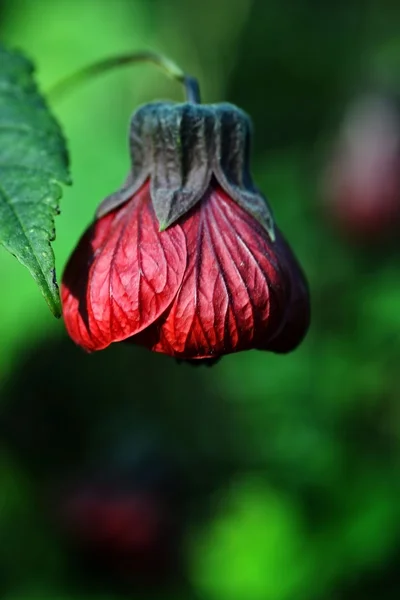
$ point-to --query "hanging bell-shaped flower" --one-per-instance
(186, 258)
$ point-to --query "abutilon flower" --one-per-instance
(121, 526)
(361, 185)
(186, 259)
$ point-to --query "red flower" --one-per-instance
(185, 259)
(126, 534)
(119, 524)
(362, 182)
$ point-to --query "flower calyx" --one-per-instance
(180, 148)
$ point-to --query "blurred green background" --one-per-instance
(287, 474)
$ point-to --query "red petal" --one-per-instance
(123, 274)
(297, 316)
(233, 293)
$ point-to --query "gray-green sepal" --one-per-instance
(180, 148)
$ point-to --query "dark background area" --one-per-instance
(124, 474)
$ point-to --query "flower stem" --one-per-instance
(66, 85)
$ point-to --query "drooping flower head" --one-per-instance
(185, 258)
(361, 184)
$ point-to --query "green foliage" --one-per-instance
(33, 162)
(255, 540)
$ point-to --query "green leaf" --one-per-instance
(33, 163)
